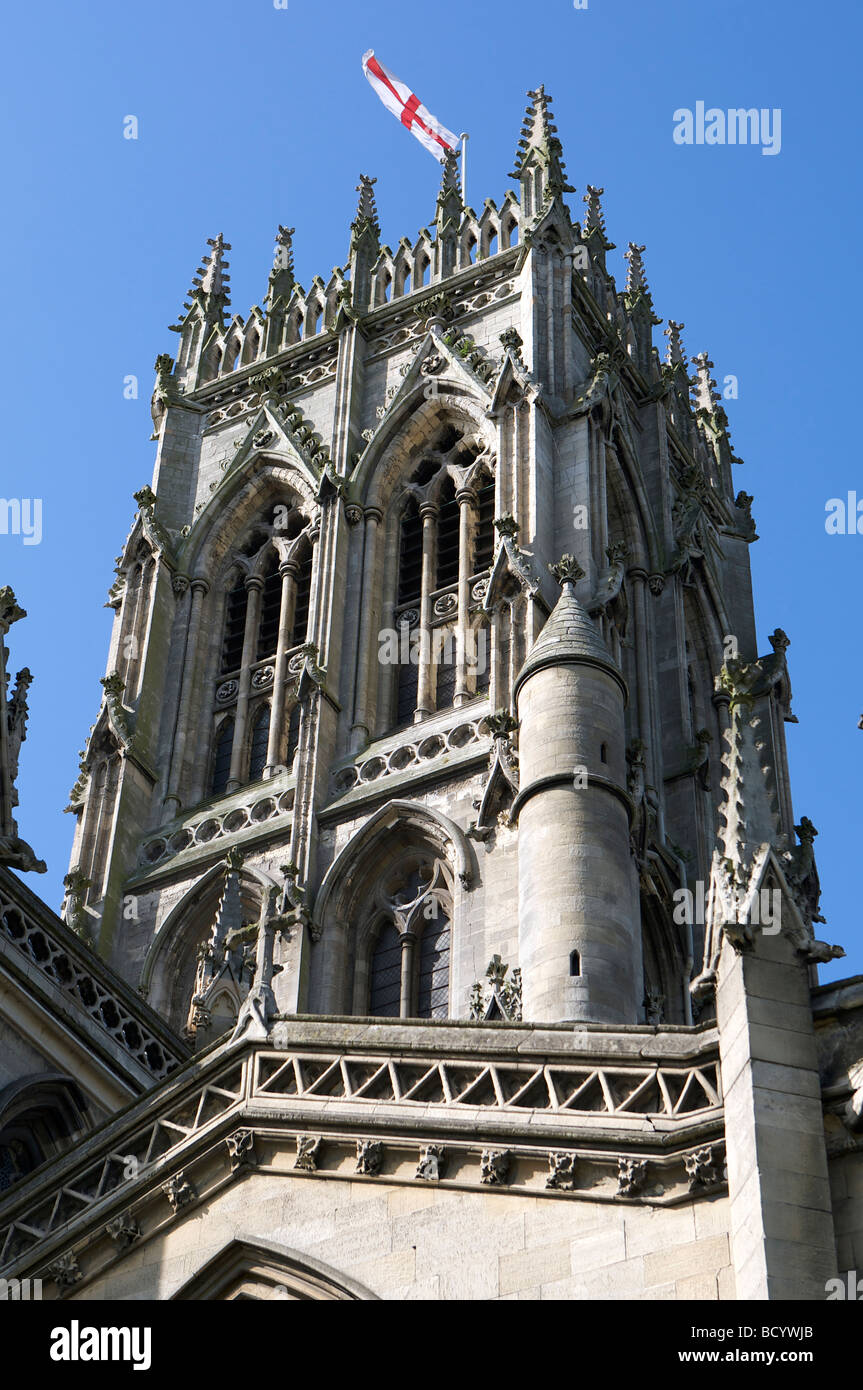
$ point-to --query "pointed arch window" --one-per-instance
(235, 626)
(267, 614)
(484, 543)
(385, 978)
(447, 537)
(446, 541)
(299, 632)
(409, 957)
(222, 757)
(434, 953)
(259, 743)
(293, 734)
(271, 606)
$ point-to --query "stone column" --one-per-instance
(254, 587)
(466, 502)
(425, 681)
(173, 801)
(289, 571)
(368, 650)
(408, 941)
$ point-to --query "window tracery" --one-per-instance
(266, 618)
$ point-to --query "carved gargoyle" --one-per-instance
(802, 874)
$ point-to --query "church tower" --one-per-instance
(435, 836)
(340, 661)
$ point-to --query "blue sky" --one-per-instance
(251, 115)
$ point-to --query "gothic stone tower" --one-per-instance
(369, 749)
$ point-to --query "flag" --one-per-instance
(403, 103)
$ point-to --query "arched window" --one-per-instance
(409, 960)
(385, 975)
(299, 633)
(39, 1119)
(266, 617)
(446, 668)
(447, 537)
(484, 542)
(449, 498)
(433, 991)
(410, 554)
(258, 749)
(222, 757)
(481, 656)
(271, 602)
(235, 626)
(293, 734)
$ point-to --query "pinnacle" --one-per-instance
(674, 355)
(595, 218)
(636, 276)
(210, 282)
(704, 390)
(367, 213)
(539, 135)
(449, 197)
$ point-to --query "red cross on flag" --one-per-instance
(398, 98)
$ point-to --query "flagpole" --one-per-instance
(464, 137)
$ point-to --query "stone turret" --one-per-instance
(579, 932)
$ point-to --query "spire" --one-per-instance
(539, 149)
(570, 634)
(209, 285)
(674, 353)
(281, 280)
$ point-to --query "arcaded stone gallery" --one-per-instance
(437, 924)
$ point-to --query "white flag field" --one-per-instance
(406, 105)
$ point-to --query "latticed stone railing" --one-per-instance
(636, 1100)
(607, 1090)
(29, 929)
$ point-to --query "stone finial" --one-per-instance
(145, 497)
(506, 525)
(567, 570)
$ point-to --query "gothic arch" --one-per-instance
(345, 909)
(41, 1115)
(258, 482)
(398, 443)
(169, 968)
(264, 1270)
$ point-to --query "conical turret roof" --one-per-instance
(570, 635)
